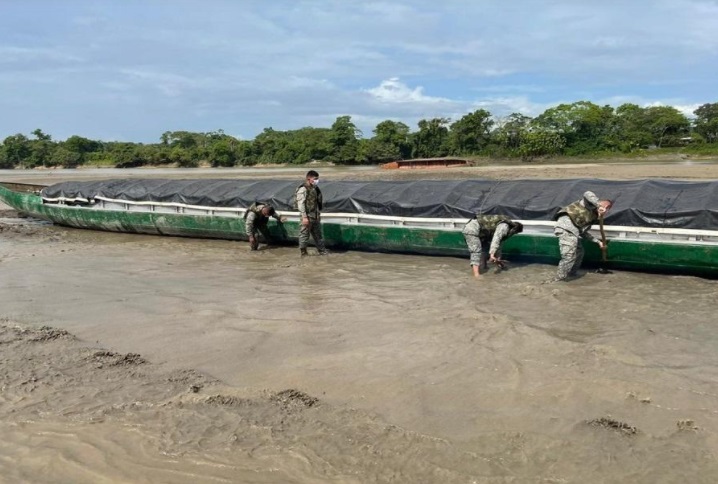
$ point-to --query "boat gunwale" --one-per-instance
(615, 232)
(404, 221)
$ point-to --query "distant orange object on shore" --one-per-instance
(425, 163)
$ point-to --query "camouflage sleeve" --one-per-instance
(589, 236)
(301, 199)
(249, 223)
(499, 235)
(591, 198)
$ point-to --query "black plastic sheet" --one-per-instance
(642, 203)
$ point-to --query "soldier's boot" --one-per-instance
(303, 252)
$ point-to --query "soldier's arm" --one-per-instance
(249, 223)
(499, 235)
(589, 236)
(301, 201)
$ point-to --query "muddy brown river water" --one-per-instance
(127, 358)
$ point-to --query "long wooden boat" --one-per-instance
(651, 249)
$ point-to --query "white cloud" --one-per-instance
(686, 109)
(394, 91)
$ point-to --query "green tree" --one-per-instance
(268, 144)
(343, 137)
(432, 139)
(17, 149)
(78, 144)
(471, 133)
(127, 155)
(538, 143)
(585, 126)
(508, 134)
(4, 161)
(222, 154)
(182, 158)
(81, 146)
(183, 139)
(632, 132)
(667, 125)
(245, 153)
(64, 157)
(391, 141)
(706, 123)
(313, 143)
(40, 136)
(41, 150)
(375, 151)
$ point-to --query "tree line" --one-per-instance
(581, 128)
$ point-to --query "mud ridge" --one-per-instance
(50, 378)
(612, 424)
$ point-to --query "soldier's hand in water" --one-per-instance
(253, 242)
(492, 258)
(305, 220)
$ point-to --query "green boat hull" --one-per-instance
(698, 259)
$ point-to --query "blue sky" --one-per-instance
(130, 70)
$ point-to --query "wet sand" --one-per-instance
(260, 367)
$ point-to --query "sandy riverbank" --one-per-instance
(679, 169)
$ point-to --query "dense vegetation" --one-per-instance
(581, 128)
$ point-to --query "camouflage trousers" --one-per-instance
(571, 254)
(471, 235)
(262, 229)
(314, 228)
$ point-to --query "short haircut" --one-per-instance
(312, 173)
(270, 209)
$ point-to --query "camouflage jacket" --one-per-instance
(581, 214)
(488, 224)
(254, 217)
(309, 201)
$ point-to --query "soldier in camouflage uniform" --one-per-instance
(485, 228)
(573, 223)
(255, 220)
(309, 204)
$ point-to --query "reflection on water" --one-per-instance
(501, 363)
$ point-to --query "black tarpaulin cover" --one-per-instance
(643, 203)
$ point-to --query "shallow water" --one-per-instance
(504, 371)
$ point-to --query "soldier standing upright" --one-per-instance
(573, 223)
(484, 229)
(309, 204)
(255, 220)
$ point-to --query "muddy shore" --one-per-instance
(684, 169)
(128, 358)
